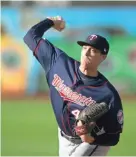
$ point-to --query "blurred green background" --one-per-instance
(29, 129)
(28, 125)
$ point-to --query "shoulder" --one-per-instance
(116, 99)
(111, 88)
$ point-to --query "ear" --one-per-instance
(104, 57)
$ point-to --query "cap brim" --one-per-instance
(82, 43)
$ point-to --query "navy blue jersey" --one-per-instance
(70, 90)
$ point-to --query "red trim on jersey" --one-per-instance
(68, 116)
(75, 77)
(65, 131)
(68, 105)
(35, 51)
(91, 86)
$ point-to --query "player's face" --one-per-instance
(91, 57)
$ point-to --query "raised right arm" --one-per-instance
(34, 35)
(44, 51)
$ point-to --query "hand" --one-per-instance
(59, 23)
(85, 137)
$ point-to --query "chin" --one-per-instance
(85, 64)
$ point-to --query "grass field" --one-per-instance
(29, 128)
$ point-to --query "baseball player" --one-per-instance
(87, 107)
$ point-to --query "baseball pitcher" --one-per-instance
(87, 107)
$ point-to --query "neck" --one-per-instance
(88, 72)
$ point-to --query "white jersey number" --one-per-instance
(75, 113)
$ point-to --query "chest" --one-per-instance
(78, 93)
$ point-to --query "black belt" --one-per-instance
(70, 138)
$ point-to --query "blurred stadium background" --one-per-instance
(27, 120)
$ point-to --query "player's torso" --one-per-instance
(69, 95)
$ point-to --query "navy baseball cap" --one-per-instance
(97, 42)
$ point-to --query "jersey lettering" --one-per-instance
(67, 94)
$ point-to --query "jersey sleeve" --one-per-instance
(44, 51)
(116, 116)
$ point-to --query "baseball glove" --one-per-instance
(89, 116)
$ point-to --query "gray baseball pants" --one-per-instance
(76, 147)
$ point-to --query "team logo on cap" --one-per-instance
(92, 37)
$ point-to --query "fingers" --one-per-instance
(58, 18)
(59, 23)
(55, 18)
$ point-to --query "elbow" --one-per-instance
(108, 140)
(27, 38)
(29, 41)
(115, 141)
